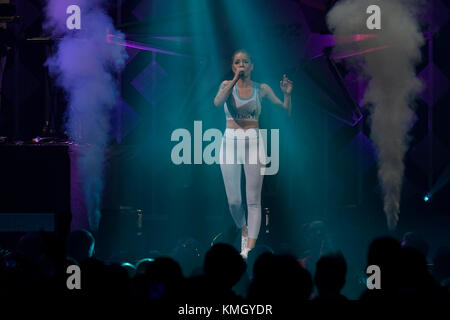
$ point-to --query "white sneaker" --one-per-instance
(244, 253)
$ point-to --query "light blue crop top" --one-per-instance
(243, 109)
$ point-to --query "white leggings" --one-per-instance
(231, 172)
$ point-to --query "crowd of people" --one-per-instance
(37, 270)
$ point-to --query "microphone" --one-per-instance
(241, 74)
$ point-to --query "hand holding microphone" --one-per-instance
(239, 74)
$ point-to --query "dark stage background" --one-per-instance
(328, 168)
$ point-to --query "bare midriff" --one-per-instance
(242, 124)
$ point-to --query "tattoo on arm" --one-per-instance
(222, 86)
(222, 94)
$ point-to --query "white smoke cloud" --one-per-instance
(393, 82)
(85, 65)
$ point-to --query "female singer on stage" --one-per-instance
(242, 104)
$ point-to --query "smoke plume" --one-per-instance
(393, 82)
(85, 66)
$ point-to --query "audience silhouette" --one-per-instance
(330, 276)
(36, 270)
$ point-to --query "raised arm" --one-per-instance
(226, 87)
(286, 86)
(224, 92)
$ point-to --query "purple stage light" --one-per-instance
(337, 56)
(110, 38)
